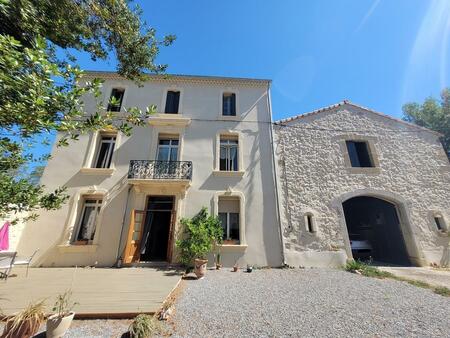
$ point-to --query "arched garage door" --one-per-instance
(374, 230)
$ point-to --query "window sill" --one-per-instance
(163, 119)
(443, 233)
(224, 173)
(71, 248)
(232, 247)
(97, 171)
(230, 118)
(364, 170)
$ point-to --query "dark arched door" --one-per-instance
(374, 230)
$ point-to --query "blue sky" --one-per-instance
(378, 53)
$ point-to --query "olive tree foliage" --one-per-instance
(41, 93)
(433, 114)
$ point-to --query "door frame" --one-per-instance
(173, 217)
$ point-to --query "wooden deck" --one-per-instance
(100, 292)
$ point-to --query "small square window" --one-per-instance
(359, 154)
(229, 104)
(115, 100)
(172, 102)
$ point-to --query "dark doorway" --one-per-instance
(157, 225)
(374, 231)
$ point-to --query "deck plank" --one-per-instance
(99, 291)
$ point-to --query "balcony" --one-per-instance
(148, 172)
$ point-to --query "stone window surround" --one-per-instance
(238, 116)
(242, 241)
(74, 215)
(159, 131)
(370, 141)
(167, 89)
(313, 222)
(436, 213)
(216, 169)
(93, 147)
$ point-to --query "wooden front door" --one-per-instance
(131, 252)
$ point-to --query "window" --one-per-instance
(115, 100)
(229, 104)
(88, 220)
(440, 223)
(229, 147)
(172, 102)
(105, 151)
(229, 219)
(309, 223)
(167, 149)
(358, 151)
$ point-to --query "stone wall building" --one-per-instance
(351, 178)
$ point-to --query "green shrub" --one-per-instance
(442, 290)
(365, 269)
(145, 326)
(201, 233)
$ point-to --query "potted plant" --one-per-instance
(59, 322)
(26, 323)
(201, 233)
(249, 268)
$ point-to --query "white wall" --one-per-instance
(200, 102)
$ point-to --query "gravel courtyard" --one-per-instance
(307, 303)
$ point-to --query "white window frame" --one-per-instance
(231, 134)
(97, 207)
(169, 146)
(92, 151)
(110, 153)
(227, 225)
(242, 240)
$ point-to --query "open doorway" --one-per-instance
(155, 243)
(374, 231)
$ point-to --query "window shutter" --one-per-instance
(233, 104)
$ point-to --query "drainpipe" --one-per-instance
(275, 176)
(118, 258)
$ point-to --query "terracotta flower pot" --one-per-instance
(200, 267)
(235, 268)
(26, 329)
(58, 326)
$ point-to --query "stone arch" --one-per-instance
(403, 208)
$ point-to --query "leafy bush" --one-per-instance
(201, 233)
(145, 326)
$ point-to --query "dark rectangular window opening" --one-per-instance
(229, 104)
(115, 100)
(439, 223)
(172, 102)
(358, 151)
(309, 223)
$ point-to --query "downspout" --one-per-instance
(275, 176)
(118, 258)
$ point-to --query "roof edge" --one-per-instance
(103, 73)
(349, 103)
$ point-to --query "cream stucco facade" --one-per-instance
(198, 128)
(409, 169)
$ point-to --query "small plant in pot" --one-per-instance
(60, 321)
(26, 323)
(201, 234)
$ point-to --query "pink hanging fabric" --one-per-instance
(4, 236)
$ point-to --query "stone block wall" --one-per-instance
(412, 171)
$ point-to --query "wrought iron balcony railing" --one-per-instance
(172, 170)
